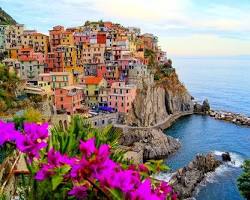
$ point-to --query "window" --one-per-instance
(127, 104)
(121, 104)
(61, 98)
(103, 121)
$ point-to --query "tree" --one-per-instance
(32, 115)
(244, 180)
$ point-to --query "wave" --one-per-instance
(212, 177)
(236, 159)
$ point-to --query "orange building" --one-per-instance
(55, 36)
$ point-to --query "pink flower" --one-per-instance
(8, 133)
(88, 147)
(33, 139)
(45, 172)
(163, 189)
(80, 192)
(36, 131)
(144, 192)
(54, 160)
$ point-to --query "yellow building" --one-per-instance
(13, 53)
(70, 56)
(93, 85)
(67, 38)
(40, 42)
(46, 87)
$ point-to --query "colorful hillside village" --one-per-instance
(95, 69)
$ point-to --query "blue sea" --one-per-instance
(225, 82)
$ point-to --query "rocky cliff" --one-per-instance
(148, 143)
(156, 102)
(186, 179)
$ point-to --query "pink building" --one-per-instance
(121, 96)
(27, 53)
(69, 99)
(45, 77)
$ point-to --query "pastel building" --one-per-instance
(13, 35)
(30, 68)
(69, 99)
(121, 96)
(40, 43)
(26, 38)
(93, 53)
(57, 79)
(31, 64)
(93, 85)
(61, 79)
(67, 38)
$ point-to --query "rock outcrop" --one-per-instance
(156, 102)
(185, 180)
(203, 108)
(147, 143)
(230, 117)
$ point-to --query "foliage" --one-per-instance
(151, 55)
(244, 180)
(6, 19)
(8, 85)
(32, 115)
(79, 164)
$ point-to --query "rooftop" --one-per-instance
(92, 80)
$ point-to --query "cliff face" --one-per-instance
(155, 103)
(147, 143)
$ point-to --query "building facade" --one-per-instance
(121, 96)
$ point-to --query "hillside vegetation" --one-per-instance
(5, 18)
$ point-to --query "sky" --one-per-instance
(184, 27)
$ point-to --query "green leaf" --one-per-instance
(116, 194)
(64, 169)
(56, 180)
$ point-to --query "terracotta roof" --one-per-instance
(26, 49)
(39, 34)
(92, 80)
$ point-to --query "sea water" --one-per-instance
(226, 84)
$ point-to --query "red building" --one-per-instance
(101, 38)
(55, 60)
